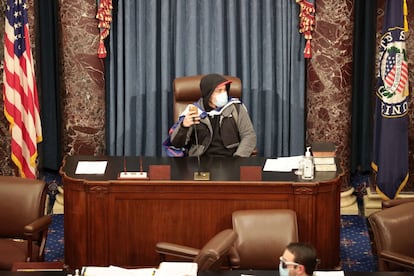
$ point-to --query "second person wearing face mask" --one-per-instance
(298, 259)
(222, 124)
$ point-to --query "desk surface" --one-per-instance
(220, 168)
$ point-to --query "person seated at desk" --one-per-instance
(215, 125)
(299, 259)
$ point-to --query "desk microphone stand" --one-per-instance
(133, 175)
(198, 175)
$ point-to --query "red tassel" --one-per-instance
(101, 49)
(307, 53)
(306, 24)
(104, 17)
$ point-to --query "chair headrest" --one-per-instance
(188, 88)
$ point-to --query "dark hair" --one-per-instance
(305, 254)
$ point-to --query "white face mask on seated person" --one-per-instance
(220, 99)
(286, 267)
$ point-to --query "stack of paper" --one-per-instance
(329, 273)
(177, 269)
(165, 269)
(115, 270)
(282, 164)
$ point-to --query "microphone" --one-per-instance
(196, 139)
(133, 174)
(198, 175)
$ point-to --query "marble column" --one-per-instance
(329, 86)
(83, 85)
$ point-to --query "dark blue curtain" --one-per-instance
(363, 84)
(47, 51)
(154, 41)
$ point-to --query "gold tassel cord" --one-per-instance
(405, 9)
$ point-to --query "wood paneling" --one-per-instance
(119, 222)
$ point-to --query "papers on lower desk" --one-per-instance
(116, 270)
(164, 269)
(329, 273)
(177, 269)
(282, 164)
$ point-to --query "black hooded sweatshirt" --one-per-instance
(207, 86)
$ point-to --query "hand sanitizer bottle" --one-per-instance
(308, 167)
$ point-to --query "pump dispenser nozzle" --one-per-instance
(308, 153)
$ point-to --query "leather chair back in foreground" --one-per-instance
(262, 236)
(24, 226)
(187, 90)
(210, 257)
(393, 230)
(215, 251)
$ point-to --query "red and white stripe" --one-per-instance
(21, 106)
(403, 78)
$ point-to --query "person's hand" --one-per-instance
(191, 117)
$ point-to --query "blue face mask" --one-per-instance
(283, 271)
(221, 99)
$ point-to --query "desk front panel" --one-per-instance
(119, 222)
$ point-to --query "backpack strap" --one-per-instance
(236, 114)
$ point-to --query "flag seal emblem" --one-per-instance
(393, 72)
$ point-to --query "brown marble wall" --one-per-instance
(83, 91)
(329, 86)
(83, 87)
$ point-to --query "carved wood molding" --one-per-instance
(99, 190)
(304, 191)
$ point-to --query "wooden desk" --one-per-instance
(118, 222)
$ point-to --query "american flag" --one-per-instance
(21, 106)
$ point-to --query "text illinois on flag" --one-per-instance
(390, 148)
(21, 105)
